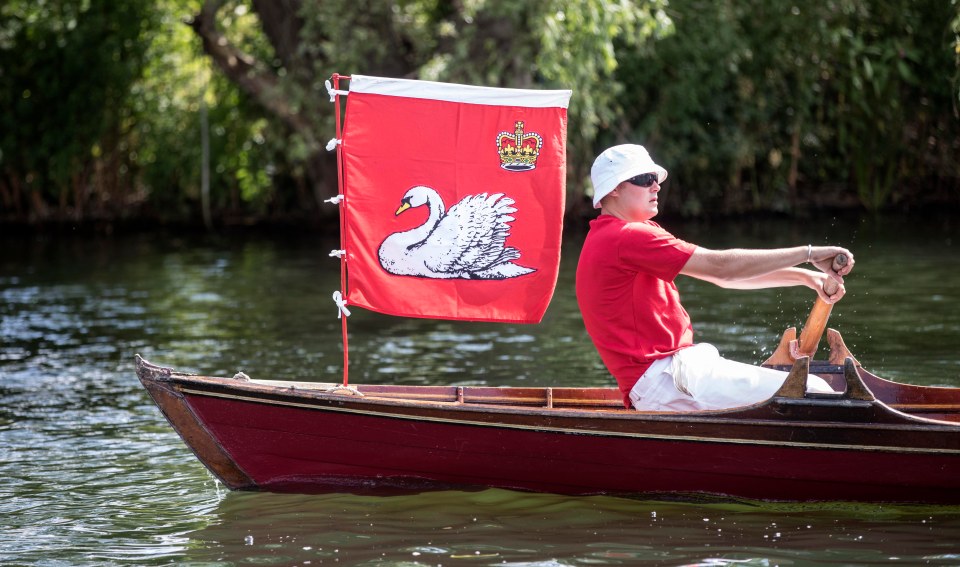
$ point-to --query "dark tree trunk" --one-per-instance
(251, 76)
(282, 25)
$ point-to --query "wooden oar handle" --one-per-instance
(830, 286)
(817, 320)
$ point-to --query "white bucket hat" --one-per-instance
(619, 163)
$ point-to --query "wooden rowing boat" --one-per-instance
(877, 441)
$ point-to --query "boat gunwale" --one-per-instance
(602, 408)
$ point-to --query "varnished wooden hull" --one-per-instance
(308, 437)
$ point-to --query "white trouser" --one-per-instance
(698, 378)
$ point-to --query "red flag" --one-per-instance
(453, 198)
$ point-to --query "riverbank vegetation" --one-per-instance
(187, 111)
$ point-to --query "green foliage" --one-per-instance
(578, 49)
(751, 104)
(101, 108)
(167, 100)
(760, 104)
(955, 28)
(66, 68)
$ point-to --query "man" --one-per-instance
(631, 306)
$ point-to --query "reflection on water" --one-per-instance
(93, 475)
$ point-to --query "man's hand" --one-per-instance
(818, 281)
(822, 258)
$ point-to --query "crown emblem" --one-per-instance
(519, 150)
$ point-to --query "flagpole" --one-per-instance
(343, 259)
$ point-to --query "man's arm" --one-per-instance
(785, 278)
(739, 268)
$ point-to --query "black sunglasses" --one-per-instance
(644, 179)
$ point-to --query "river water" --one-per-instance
(91, 474)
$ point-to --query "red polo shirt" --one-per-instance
(630, 305)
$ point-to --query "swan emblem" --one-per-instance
(466, 242)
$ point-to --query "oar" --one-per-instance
(817, 320)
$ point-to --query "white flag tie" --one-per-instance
(334, 92)
(341, 305)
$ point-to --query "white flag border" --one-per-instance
(452, 92)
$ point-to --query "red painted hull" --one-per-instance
(256, 436)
